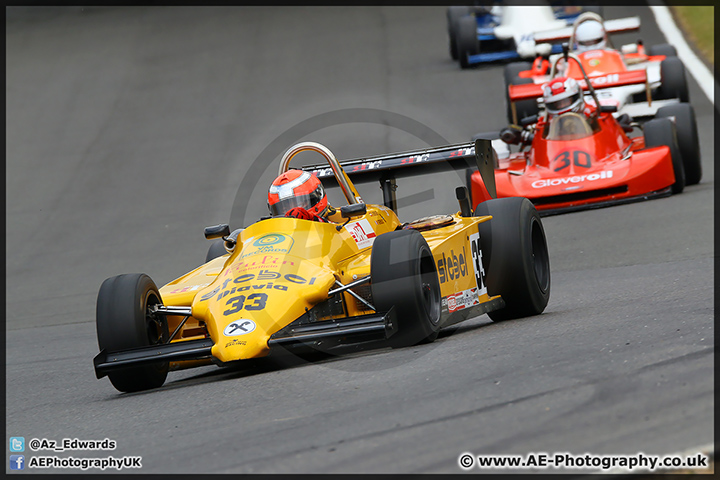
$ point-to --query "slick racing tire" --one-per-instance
(467, 42)
(124, 322)
(510, 74)
(217, 249)
(404, 275)
(524, 108)
(673, 81)
(662, 49)
(454, 14)
(687, 137)
(661, 131)
(515, 257)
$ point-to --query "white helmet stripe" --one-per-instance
(287, 190)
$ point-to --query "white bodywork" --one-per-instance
(521, 22)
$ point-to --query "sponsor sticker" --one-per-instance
(239, 327)
(555, 182)
(361, 232)
(462, 300)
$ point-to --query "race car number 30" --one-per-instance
(477, 263)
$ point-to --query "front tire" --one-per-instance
(124, 321)
(404, 275)
(217, 249)
(515, 257)
(454, 14)
(661, 131)
(687, 137)
(467, 41)
(662, 49)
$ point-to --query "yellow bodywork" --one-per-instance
(282, 267)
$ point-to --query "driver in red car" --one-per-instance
(562, 95)
(299, 194)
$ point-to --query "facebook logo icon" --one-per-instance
(17, 462)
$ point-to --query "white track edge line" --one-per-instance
(703, 76)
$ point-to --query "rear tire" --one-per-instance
(515, 257)
(404, 275)
(524, 108)
(510, 74)
(673, 81)
(124, 322)
(661, 131)
(687, 137)
(467, 42)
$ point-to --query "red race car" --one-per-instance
(664, 82)
(587, 158)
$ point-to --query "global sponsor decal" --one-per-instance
(361, 232)
(239, 327)
(271, 243)
(262, 280)
(452, 266)
(556, 182)
(462, 300)
(267, 261)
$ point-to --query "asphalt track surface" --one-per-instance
(130, 129)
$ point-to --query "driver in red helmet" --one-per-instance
(299, 194)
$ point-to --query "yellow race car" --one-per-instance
(363, 277)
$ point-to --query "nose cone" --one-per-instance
(255, 298)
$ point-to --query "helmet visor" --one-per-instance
(590, 43)
(563, 104)
(308, 201)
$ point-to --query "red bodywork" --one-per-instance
(601, 168)
(595, 63)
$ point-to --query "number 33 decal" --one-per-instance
(256, 302)
(579, 159)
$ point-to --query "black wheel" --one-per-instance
(404, 275)
(510, 74)
(124, 321)
(673, 80)
(515, 257)
(687, 138)
(467, 42)
(454, 14)
(217, 249)
(662, 49)
(524, 108)
(661, 131)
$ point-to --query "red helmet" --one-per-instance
(296, 188)
(563, 94)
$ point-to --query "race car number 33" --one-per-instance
(477, 263)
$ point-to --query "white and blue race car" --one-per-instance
(505, 32)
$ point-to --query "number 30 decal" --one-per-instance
(257, 303)
(580, 159)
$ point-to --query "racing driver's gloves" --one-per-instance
(303, 214)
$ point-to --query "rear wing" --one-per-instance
(534, 90)
(385, 169)
(618, 25)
